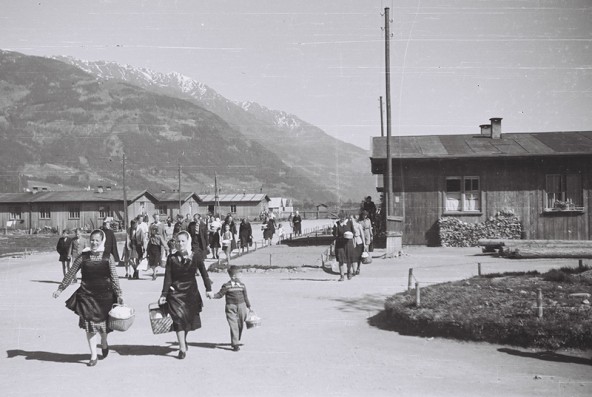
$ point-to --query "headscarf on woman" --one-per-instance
(188, 253)
(101, 246)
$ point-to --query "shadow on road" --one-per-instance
(205, 345)
(142, 350)
(48, 356)
(368, 302)
(308, 279)
(547, 356)
(46, 281)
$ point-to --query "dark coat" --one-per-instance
(111, 244)
(199, 235)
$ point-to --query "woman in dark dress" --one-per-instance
(245, 234)
(180, 295)
(98, 291)
(268, 230)
(343, 231)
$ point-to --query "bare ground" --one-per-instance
(315, 339)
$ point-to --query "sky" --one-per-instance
(453, 64)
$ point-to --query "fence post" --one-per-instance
(417, 295)
(410, 280)
(270, 260)
(479, 269)
(581, 264)
(539, 303)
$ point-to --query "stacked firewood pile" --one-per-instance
(539, 248)
(456, 233)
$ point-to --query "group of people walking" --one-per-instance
(99, 287)
(353, 237)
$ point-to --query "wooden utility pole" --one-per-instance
(389, 158)
(216, 203)
(179, 187)
(125, 215)
(381, 119)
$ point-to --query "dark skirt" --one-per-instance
(154, 255)
(344, 250)
(92, 302)
(184, 304)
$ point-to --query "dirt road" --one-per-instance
(315, 340)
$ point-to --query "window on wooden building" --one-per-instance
(74, 212)
(161, 209)
(563, 191)
(233, 209)
(463, 194)
(105, 211)
(44, 213)
(15, 213)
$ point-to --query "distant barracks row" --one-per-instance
(87, 209)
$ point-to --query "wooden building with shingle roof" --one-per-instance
(544, 178)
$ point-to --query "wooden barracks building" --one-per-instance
(545, 178)
(87, 209)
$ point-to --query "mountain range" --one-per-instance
(70, 121)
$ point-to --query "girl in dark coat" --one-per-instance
(179, 291)
(98, 291)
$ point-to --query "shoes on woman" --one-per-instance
(349, 276)
(181, 355)
(136, 275)
(341, 278)
(154, 276)
(91, 363)
(105, 352)
(236, 348)
(357, 273)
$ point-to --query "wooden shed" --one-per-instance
(168, 204)
(242, 205)
(544, 178)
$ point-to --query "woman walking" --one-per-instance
(131, 250)
(180, 294)
(156, 246)
(214, 230)
(268, 229)
(98, 291)
(344, 232)
(359, 245)
(245, 235)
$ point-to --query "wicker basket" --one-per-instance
(121, 318)
(366, 258)
(160, 321)
(253, 320)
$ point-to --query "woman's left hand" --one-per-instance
(56, 293)
(120, 300)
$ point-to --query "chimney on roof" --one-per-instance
(485, 130)
(99, 189)
(496, 127)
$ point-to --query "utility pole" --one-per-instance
(381, 119)
(179, 187)
(216, 203)
(393, 237)
(389, 158)
(125, 220)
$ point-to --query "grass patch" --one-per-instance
(498, 309)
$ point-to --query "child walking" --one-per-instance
(237, 305)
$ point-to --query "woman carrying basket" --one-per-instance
(98, 291)
(180, 295)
